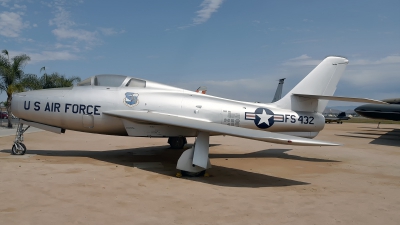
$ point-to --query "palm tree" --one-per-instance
(54, 80)
(11, 76)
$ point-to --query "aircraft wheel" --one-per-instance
(18, 149)
(177, 142)
(193, 174)
(341, 122)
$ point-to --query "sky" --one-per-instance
(237, 49)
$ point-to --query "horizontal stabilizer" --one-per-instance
(174, 120)
(340, 98)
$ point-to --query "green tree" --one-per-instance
(54, 80)
(11, 76)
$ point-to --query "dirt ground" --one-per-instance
(79, 178)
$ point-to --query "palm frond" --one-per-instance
(5, 52)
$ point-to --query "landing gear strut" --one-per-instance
(177, 142)
(18, 147)
(195, 161)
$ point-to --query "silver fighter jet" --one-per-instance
(128, 106)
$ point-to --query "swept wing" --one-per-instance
(175, 120)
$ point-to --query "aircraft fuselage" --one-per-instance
(81, 108)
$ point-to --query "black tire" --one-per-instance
(15, 151)
(193, 174)
(177, 142)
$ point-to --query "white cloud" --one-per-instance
(19, 7)
(208, 8)
(47, 56)
(370, 76)
(392, 59)
(78, 34)
(25, 40)
(11, 24)
(4, 3)
(65, 26)
(73, 48)
(107, 31)
(62, 18)
(303, 60)
(380, 74)
(302, 57)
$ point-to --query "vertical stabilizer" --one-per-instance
(322, 80)
(278, 93)
(342, 114)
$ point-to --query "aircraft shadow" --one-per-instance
(271, 153)
(221, 176)
(389, 137)
(376, 128)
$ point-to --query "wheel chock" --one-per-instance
(206, 175)
(178, 175)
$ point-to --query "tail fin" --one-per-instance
(322, 80)
(342, 114)
(278, 93)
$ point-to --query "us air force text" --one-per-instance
(55, 107)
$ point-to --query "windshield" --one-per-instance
(86, 82)
(136, 83)
(109, 80)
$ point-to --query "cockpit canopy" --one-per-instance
(108, 80)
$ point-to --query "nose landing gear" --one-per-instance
(18, 147)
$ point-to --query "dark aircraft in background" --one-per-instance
(389, 111)
(338, 119)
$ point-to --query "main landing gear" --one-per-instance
(177, 142)
(194, 161)
(18, 147)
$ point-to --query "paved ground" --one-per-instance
(78, 178)
(11, 132)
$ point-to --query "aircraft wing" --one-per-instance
(174, 120)
(340, 98)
